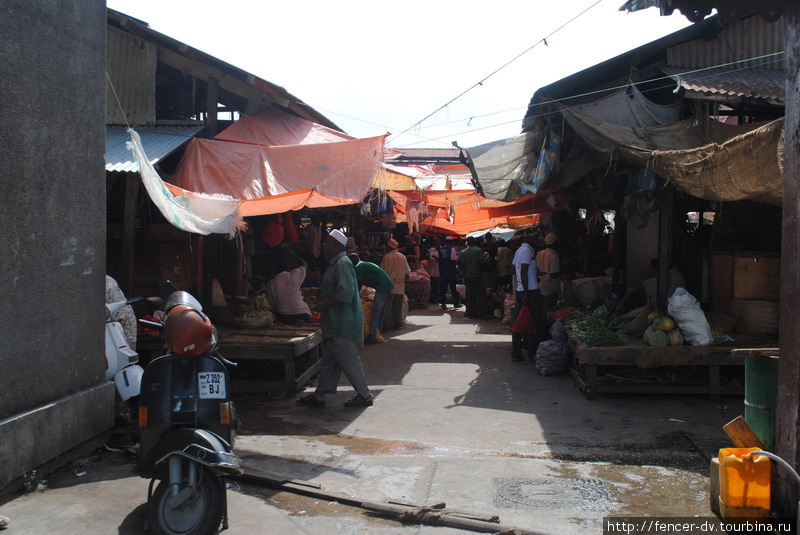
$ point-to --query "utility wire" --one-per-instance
(480, 82)
(681, 76)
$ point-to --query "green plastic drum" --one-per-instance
(761, 397)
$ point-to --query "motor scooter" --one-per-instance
(187, 425)
(121, 361)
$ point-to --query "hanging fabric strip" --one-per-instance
(198, 213)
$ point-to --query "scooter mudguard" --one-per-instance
(197, 445)
(129, 381)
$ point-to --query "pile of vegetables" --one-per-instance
(255, 314)
(593, 329)
(562, 313)
(662, 331)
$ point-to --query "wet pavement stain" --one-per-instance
(623, 478)
(260, 423)
(564, 493)
(645, 490)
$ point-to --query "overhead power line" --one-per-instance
(515, 58)
(683, 75)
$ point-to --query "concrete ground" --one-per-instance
(454, 421)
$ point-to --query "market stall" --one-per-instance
(275, 359)
(294, 348)
(648, 353)
(637, 368)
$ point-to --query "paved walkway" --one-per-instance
(455, 421)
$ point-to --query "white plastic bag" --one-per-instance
(691, 320)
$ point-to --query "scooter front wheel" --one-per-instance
(201, 515)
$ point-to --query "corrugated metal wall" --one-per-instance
(131, 65)
(747, 38)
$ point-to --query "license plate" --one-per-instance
(212, 385)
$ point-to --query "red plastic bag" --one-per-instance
(524, 323)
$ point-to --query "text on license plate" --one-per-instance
(212, 385)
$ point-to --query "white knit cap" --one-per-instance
(339, 236)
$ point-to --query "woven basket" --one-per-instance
(755, 316)
(418, 293)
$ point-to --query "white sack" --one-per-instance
(691, 320)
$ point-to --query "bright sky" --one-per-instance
(374, 67)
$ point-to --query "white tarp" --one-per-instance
(200, 213)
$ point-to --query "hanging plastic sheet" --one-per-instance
(501, 163)
(548, 160)
(198, 213)
(706, 158)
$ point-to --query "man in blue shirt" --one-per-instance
(447, 274)
(342, 328)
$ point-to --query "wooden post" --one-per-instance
(212, 100)
(209, 242)
(664, 245)
(787, 435)
(129, 232)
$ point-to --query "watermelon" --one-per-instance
(675, 338)
(658, 338)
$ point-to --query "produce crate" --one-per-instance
(419, 293)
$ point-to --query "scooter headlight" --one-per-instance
(187, 331)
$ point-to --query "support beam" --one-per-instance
(212, 102)
(664, 244)
(787, 435)
(129, 232)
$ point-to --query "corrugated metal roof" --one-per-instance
(131, 66)
(767, 84)
(158, 142)
(744, 39)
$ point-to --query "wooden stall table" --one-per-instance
(297, 347)
(636, 368)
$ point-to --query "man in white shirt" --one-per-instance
(527, 293)
(283, 290)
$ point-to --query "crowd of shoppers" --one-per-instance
(484, 265)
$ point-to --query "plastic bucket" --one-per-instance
(744, 483)
(761, 397)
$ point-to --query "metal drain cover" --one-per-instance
(581, 494)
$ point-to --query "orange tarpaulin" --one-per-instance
(248, 171)
(276, 204)
(273, 159)
(275, 127)
(461, 211)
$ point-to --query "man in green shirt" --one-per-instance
(342, 328)
(372, 275)
(471, 260)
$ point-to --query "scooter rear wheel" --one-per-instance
(202, 516)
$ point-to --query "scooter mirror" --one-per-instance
(166, 289)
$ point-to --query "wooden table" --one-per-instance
(640, 369)
(296, 346)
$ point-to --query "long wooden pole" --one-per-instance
(787, 433)
(436, 515)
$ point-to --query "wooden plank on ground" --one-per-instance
(741, 434)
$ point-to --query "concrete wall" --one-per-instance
(53, 392)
